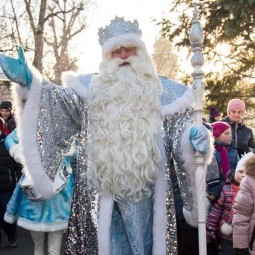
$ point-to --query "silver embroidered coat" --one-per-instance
(54, 115)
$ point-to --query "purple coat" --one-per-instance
(244, 212)
(220, 212)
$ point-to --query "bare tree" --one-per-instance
(63, 19)
(45, 29)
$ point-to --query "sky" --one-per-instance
(87, 48)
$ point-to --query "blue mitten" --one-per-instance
(200, 139)
(16, 69)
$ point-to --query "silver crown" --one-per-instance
(118, 26)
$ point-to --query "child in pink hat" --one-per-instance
(226, 156)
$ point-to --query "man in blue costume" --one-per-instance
(129, 124)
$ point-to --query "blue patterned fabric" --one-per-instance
(85, 79)
(46, 215)
(171, 90)
(127, 230)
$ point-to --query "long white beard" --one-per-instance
(124, 116)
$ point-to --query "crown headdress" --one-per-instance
(118, 26)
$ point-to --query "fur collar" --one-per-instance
(176, 97)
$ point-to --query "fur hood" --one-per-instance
(251, 172)
(248, 163)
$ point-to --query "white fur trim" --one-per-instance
(240, 164)
(13, 149)
(126, 40)
(159, 215)
(42, 227)
(28, 139)
(104, 224)
(22, 92)
(190, 167)
(10, 218)
(19, 95)
(181, 104)
(71, 80)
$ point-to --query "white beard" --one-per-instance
(124, 117)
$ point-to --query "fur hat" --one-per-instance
(219, 127)
(119, 33)
(214, 112)
(236, 104)
(241, 163)
(6, 105)
(249, 165)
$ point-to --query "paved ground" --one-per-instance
(25, 244)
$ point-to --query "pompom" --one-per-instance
(226, 229)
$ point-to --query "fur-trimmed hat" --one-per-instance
(236, 104)
(219, 127)
(6, 105)
(241, 163)
(120, 33)
(214, 112)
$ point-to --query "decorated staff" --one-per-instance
(196, 39)
(131, 125)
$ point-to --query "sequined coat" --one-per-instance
(49, 108)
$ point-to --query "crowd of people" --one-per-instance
(109, 158)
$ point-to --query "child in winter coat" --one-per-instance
(244, 210)
(220, 217)
(226, 158)
(42, 217)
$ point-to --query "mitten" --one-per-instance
(200, 139)
(16, 69)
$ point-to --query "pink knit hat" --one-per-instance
(236, 104)
(219, 127)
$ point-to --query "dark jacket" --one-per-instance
(10, 125)
(242, 137)
(7, 169)
(214, 179)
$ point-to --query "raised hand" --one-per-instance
(16, 69)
